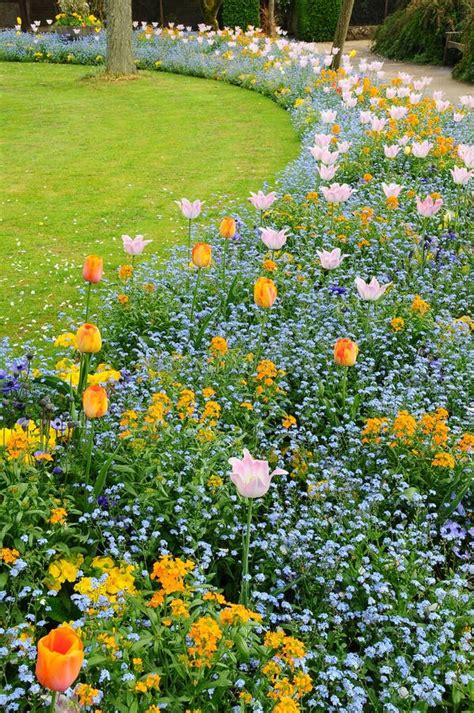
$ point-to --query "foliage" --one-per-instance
(317, 19)
(464, 70)
(241, 14)
(418, 31)
(133, 527)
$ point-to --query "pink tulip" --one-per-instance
(377, 124)
(260, 201)
(391, 189)
(366, 117)
(422, 149)
(330, 260)
(442, 105)
(343, 146)
(428, 207)
(273, 239)
(322, 140)
(466, 154)
(134, 246)
(391, 151)
(324, 155)
(414, 98)
(461, 175)
(188, 209)
(329, 116)
(370, 291)
(251, 477)
(398, 112)
(337, 193)
(327, 173)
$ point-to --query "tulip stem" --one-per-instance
(88, 299)
(224, 265)
(196, 286)
(89, 452)
(244, 595)
(344, 389)
(52, 706)
(190, 228)
(263, 323)
(83, 373)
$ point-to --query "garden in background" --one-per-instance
(240, 479)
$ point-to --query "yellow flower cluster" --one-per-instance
(237, 614)
(170, 573)
(420, 306)
(20, 442)
(118, 581)
(58, 516)
(8, 555)
(125, 272)
(267, 373)
(288, 687)
(186, 404)
(152, 681)
(86, 694)
(63, 570)
(205, 634)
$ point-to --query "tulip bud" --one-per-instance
(88, 339)
(265, 292)
(94, 401)
(201, 255)
(59, 658)
(93, 269)
(227, 228)
(345, 352)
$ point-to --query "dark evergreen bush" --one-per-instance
(317, 19)
(241, 13)
(417, 32)
(465, 69)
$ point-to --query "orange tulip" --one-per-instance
(88, 339)
(59, 658)
(202, 255)
(94, 401)
(227, 228)
(345, 352)
(93, 269)
(265, 292)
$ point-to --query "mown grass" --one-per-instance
(85, 161)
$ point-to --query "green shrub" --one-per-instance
(418, 31)
(464, 70)
(241, 13)
(317, 19)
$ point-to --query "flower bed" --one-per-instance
(332, 574)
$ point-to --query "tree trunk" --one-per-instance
(120, 61)
(341, 30)
(271, 18)
(25, 15)
(209, 9)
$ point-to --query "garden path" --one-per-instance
(442, 80)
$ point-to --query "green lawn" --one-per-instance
(85, 161)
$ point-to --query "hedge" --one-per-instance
(241, 13)
(418, 31)
(465, 69)
(317, 19)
